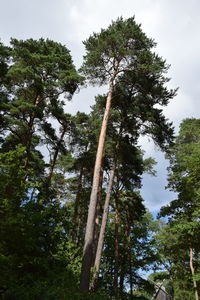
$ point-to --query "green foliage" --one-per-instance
(43, 65)
(183, 179)
(35, 251)
(12, 171)
(182, 233)
(136, 248)
(43, 204)
(122, 55)
(37, 74)
(113, 48)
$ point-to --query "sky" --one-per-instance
(173, 24)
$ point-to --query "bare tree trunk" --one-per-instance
(30, 134)
(89, 235)
(76, 216)
(97, 217)
(193, 272)
(128, 236)
(103, 229)
(116, 267)
(53, 163)
(121, 281)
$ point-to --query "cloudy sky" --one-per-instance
(174, 24)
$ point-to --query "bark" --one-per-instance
(97, 218)
(89, 235)
(121, 281)
(55, 156)
(103, 229)
(76, 217)
(193, 273)
(30, 133)
(116, 267)
(129, 251)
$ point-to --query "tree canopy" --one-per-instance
(73, 223)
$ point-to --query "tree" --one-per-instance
(136, 250)
(124, 163)
(4, 65)
(184, 211)
(117, 51)
(34, 236)
(39, 73)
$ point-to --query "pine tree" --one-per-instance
(183, 227)
(34, 77)
(120, 51)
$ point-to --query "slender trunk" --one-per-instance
(53, 163)
(30, 133)
(89, 235)
(121, 281)
(193, 273)
(130, 274)
(103, 228)
(116, 267)
(96, 233)
(97, 218)
(75, 220)
(128, 236)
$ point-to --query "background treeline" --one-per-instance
(73, 224)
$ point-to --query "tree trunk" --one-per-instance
(193, 272)
(30, 124)
(53, 163)
(103, 228)
(97, 217)
(76, 216)
(128, 236)
(89, 235)
(121, 281)
(116, 267)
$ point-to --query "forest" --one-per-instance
(73, 223)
